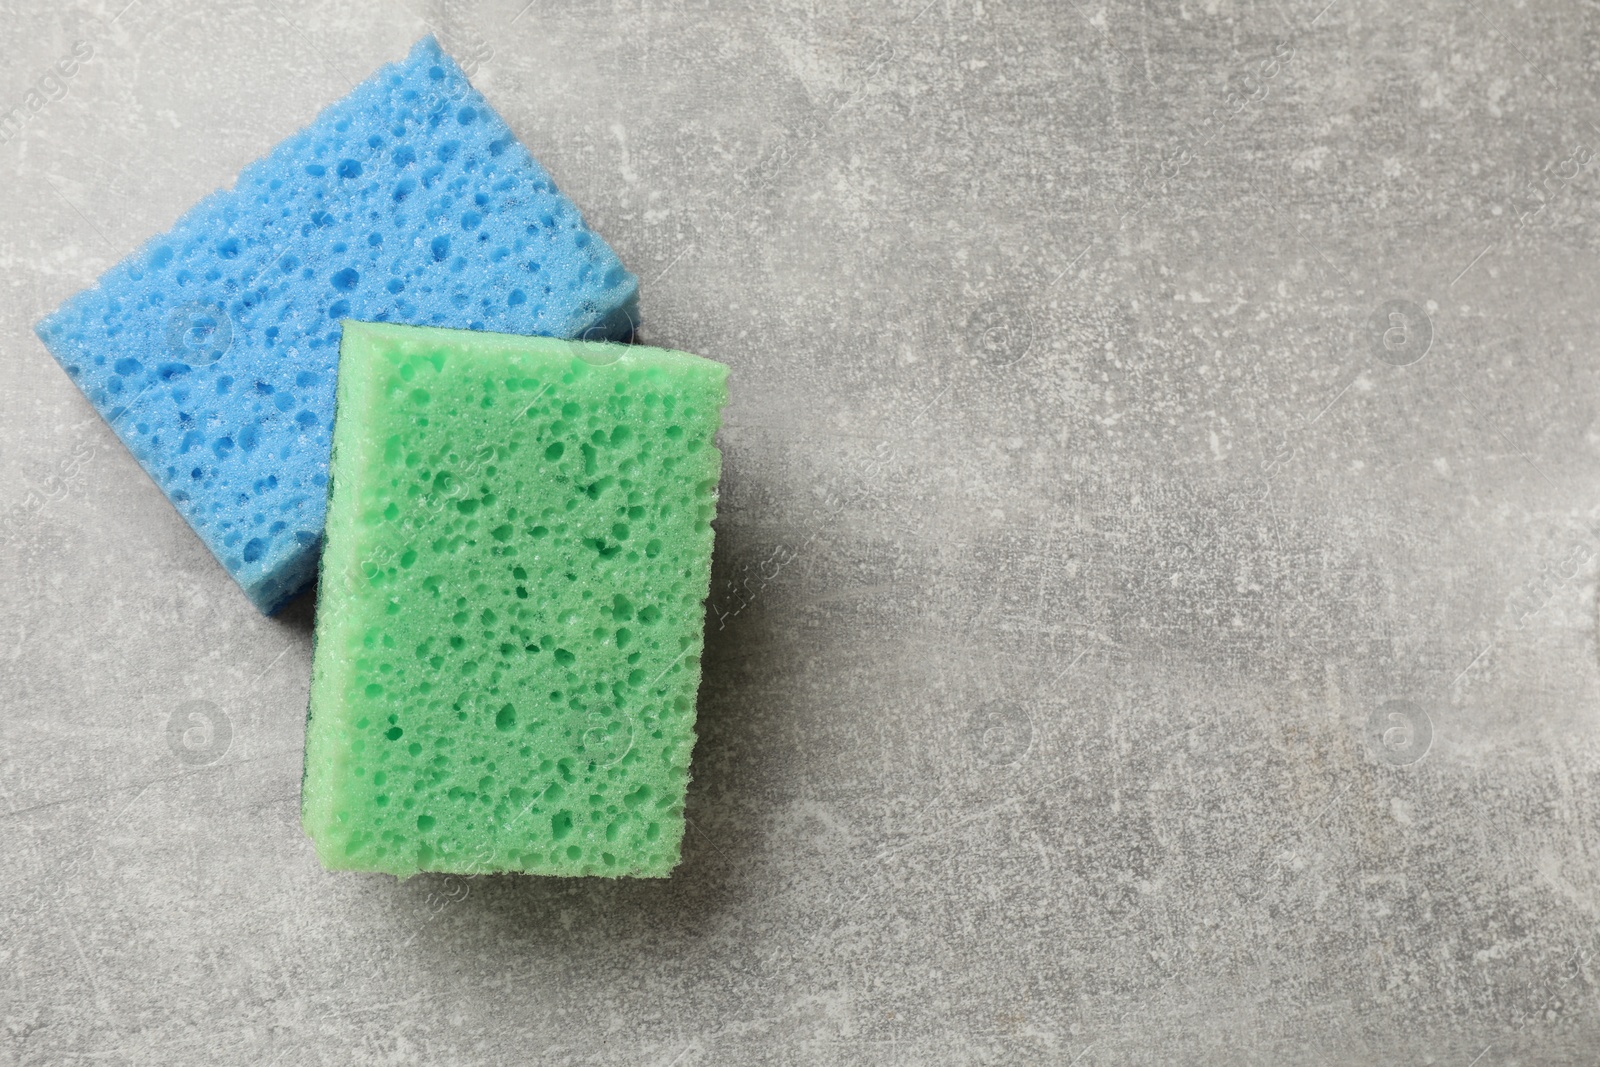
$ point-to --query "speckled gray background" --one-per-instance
(1154, 617)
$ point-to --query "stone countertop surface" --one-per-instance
(1153, 616)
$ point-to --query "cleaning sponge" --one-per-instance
(511, 609)
(212, 351)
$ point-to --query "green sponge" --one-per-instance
(511, 609)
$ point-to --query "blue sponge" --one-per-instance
(212, 351)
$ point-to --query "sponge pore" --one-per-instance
(511, 610)
(212, 351)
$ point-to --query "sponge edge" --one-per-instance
(212, 351)
(511, 611)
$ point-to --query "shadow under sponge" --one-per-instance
(512, 604)
(213, 350)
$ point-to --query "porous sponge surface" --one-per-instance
(212, 351)
(511, 608)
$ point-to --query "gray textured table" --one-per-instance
(1154, 614)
